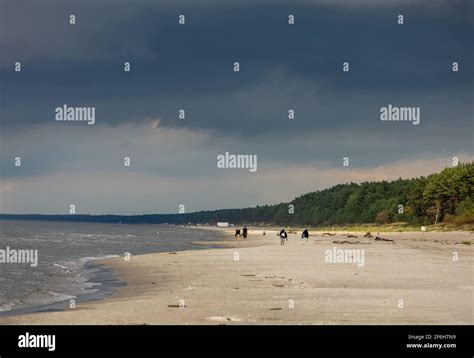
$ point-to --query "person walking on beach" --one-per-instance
(304, 235)
(283, 236)
(237, 234)
(244, 232)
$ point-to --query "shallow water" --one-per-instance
(66, 255)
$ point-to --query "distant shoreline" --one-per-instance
(392, 227)
(441, 199)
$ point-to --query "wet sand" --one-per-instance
(411, 280)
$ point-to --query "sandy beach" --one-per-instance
(414, 279)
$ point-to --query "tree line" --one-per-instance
(446, 196)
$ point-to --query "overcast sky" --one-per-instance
(190, 67)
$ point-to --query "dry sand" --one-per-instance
(290, 284)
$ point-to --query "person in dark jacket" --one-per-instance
(237, 234)
(283, 236)
(304, 235)
(244, 232)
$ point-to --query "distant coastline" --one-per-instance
(440, 198)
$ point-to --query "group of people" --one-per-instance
(284, 236)
(244, 233)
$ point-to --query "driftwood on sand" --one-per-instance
(341, 242)
(380, 238)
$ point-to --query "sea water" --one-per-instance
(67, 267)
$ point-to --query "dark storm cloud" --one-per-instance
(190, 66)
